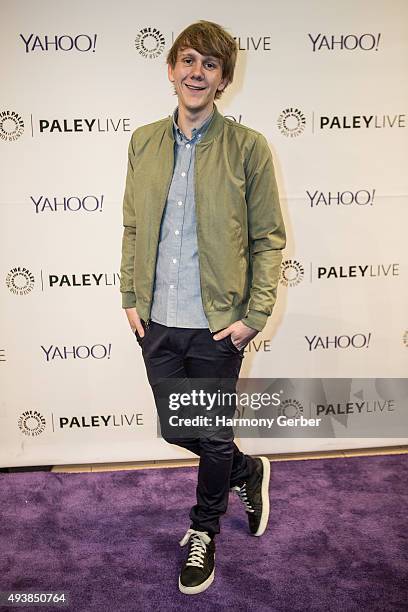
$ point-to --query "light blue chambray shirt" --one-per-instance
(177, 298)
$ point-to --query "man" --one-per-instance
(201, 252)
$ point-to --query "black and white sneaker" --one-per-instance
(197, 573)
(254, 494)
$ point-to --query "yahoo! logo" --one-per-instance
(344, 341)
(362, 197)
(89, 203)
(60, 42)
(96, 351)
(345, 42)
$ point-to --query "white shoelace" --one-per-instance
(198, 546)
(242, 494)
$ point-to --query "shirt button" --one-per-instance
(183, 174)
(177, 232)
(188, 146)
(180, 203)
(174, 260)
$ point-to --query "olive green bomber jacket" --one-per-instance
(240, 229)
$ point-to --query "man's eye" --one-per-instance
(210, 64)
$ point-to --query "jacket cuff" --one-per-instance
(255, 319)
(128, 299)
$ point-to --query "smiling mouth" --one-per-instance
(191, 88)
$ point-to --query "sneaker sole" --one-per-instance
(199, 588)
(264, 496)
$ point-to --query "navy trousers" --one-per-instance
(187, 355)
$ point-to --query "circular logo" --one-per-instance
(11, 126)
(150, 43)
(31, 423)
(20, 281)
(291, 122)
(291, 408)
(291, 273)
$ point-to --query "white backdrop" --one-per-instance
(326, 84)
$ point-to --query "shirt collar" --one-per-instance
(196, 132)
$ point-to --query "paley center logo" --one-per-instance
(87, 279)
(357, 407)
(364, 271)
(291, 273)
(360, 122)
(254, 42)
(259, 346)
(87, 125)
(31, 423)
(134, 419)
(20, 280)
(291, 408)
(11, 125)
(150, 42)
(292, 122)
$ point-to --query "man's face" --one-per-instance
(196, 79)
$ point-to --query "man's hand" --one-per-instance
(134, 321)
(240, 333)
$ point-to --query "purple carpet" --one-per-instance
(337, 539)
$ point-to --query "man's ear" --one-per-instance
(170, 73)
(222, 85)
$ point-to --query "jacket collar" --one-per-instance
(197, 132)
(213, 130)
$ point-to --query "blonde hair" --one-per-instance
(207, 38)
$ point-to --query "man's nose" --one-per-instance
(197, 71)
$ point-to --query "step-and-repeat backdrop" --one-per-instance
(326, 84)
